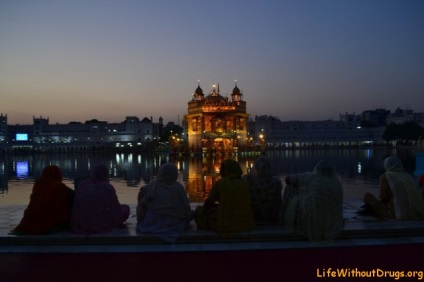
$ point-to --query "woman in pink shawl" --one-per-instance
(96, 207)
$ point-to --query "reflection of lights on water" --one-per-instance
(359, 167)
(249, 166)
(139, 159)
(368, 153)
(216, 167)
(22, 169)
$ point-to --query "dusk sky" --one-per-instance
(297, 60)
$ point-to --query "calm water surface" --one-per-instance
(358, 170)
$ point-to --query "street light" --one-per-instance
(262, 140)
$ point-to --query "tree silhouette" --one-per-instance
(408, 131)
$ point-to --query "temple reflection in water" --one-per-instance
(197, 174)
(357, 168)
(202, 172)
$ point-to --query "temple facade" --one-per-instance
(215, 123)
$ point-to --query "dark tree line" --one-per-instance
(408, 131)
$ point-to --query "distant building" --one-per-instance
(213, 123)
(77, 136)
(400, 116)
(375, 118)
(3, 127)
(288, 134)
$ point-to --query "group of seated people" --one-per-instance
(310, 204)
(92, 208)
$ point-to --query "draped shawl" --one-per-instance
(164, 195)
(317, 211)
(96, 207)
(234, 212)
(265, 191)
(407, 201)
(49, 205)
(163, 208)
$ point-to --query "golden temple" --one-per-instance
(216, 123)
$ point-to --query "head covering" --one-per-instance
(96, 206)
(393, 164)
(164, 195)
(45, 188)
(262, 167)
(230, 168)
(100, 173)
(325, 169)
(51, 173)
(167, 174)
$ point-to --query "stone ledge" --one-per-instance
(263, 233)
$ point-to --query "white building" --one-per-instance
(93, 134)
(345, 132)
(402, 116)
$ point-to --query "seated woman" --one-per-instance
(49, 208)
(315, 210)
(227, 208)
(163, 208)
(400, 197)
(265, 192)
(96, 207)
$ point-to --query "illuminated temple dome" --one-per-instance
(216, 123)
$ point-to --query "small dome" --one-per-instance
(236, 90)
(199, 91)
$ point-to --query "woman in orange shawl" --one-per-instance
(50, 204)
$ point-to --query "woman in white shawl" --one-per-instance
(399, 195)
(316, 211)
(163, 208)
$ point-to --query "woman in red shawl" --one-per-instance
(49, 208)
